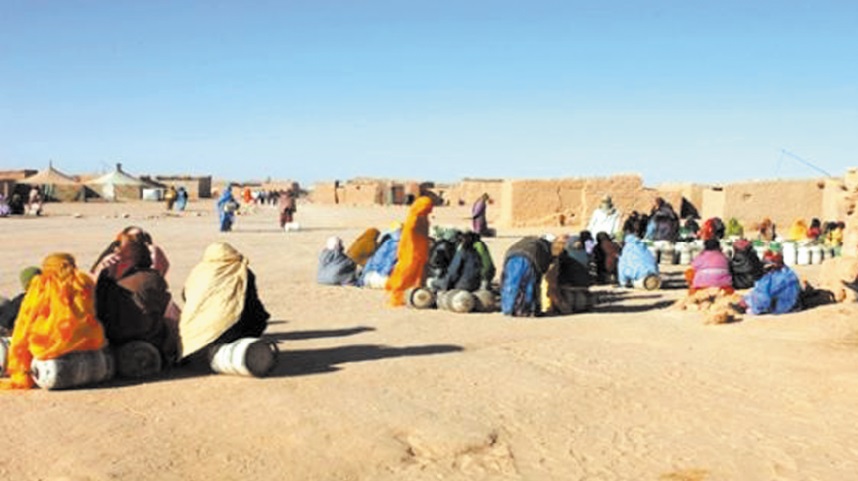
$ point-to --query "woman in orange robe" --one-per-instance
(413, 252)
(57, 317)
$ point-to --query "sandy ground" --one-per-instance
(631, 391)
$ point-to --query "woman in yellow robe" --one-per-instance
(413, 252)
(797, 231)
(57, 317)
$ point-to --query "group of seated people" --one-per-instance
(125, 299)
(406, 255)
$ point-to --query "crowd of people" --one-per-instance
(16, 205)
(552, 275)
(124, 298)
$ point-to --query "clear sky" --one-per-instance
(706, 91)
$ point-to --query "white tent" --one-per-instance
(110, 181)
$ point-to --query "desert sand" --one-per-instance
(631, 391)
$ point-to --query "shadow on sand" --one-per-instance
(304, 335)
(316, 361)
(625, 308)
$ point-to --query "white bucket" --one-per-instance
(803, 256)
(789, 253)
(817, 255)
(73, 369)
(292, 227)
(685, 253)
(248, 356)
(665, 250)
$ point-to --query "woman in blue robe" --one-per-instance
(226, 207)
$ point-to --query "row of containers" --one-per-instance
(794, 253)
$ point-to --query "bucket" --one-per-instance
(248, 356)
(817, 255)
(685, 250)
(420, 298)
(651, 282)
(789, 252)
(137, 360)
(666, 250)
(802, 257)
(72, 370)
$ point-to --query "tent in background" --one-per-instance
(55, 184)
(118, 185)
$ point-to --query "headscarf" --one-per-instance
(214, 297)
(363, 247)
(798, 230)
(57, 317)
(27, 275)
(413, 252)
(334, 243)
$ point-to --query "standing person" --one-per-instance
(170, 197)
(478, 215)
(181, 199)
(413, 252)
(34, 206)
(606, 218)
(287, 207)
(57, 317)
(226, 207)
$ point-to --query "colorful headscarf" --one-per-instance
(364, 246)
(413, 252)
(57, 317)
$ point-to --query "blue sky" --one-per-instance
(706, 91)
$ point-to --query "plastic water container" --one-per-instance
(247, 356)
(789, 251)
(686, 252)
(457, 300)
(73, 370)
(817, 255)
(665, 250)
(803, 255)
(420, 298)
(137, 360)
(651, 282)
(486, 301)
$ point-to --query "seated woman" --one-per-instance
(713, 228)
(9, 310)
(110, 257)
(605, 256)
(710, 268)
(335, 267)
(565, 286)
(57, 317)
(487, 270)
(815, 229)
(131, 306)
(221, 302)
(745, 266)
(777, 292)
(441, 255)
(734, 228)
(524, 265)
(363, 247)
(378, 268)
(636, 264)
(766, 231)
(797, 231)
(466, 269)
